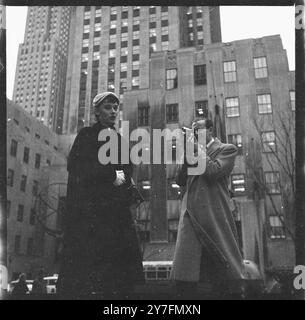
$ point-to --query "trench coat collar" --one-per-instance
(213, 146)
(210, 150)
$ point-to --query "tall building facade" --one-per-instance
(35, 166)
(246, 88)
(110, 49)
(42, 63)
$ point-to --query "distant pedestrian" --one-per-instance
(39, 288)
(20, 289)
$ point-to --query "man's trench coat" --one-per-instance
(100, 247)
(206, 223)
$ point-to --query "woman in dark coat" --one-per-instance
(100, 248)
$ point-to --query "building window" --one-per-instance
(277, 229)
(14, 145)
(123, 67)
(201, 109)
(136, 12)
(136, 21)
(123, 84)
(84, 57)
(144, 187)
(164, 16)
(37, 160)
(268, 140)
(112, 53)
(136, 50)
(124, 36)
(123, 59)
(17, 244)
(238, 183)
(23, 183)
(152, 24)
(152, 10)
(172, 113)
(113, 24)
(86, 28)
(111, 85)
(35, 188)
(232, 106)
(164, 45)
(10, 177)
(124, 23)
(272, 180)
(98, 27)
(98, 12)
(173, 190)
(164, 23)
(229, 68)
(200, 37)
(135, 65)
(113, 10)
(260, 67)
(30, 247)
(20, 213)
(32, 217)
(152, 33)
(96, 56)
(143, 116)
(135, 82)
(97, 34)
(26, 154)
(96, 41)
(199, 22)
(292, 99)
(135, 35)
(123, 74)
(8, 208)
(124, 52)
(236, 139)
(264, 103)
(171, 79)
(152, 47)
(200, 76)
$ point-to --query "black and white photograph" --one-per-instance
(152, 153)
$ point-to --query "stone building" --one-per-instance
(36, 188)
(110, 48)
(246, 88)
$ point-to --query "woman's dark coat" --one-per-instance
(100, 247)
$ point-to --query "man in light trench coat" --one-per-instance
(206, 228)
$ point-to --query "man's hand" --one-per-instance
(120, 178)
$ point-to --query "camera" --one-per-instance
(192, 132)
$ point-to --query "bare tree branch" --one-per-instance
(279, 159)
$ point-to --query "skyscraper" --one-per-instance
(42, 62)
(110, 49)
